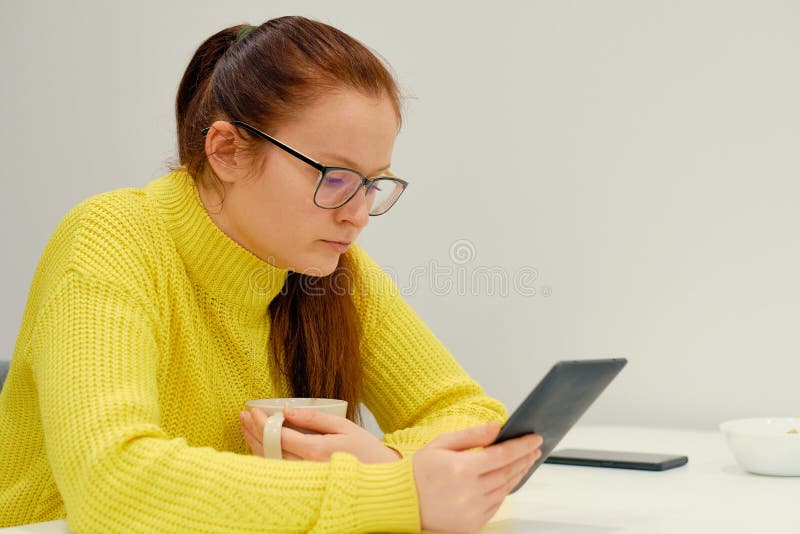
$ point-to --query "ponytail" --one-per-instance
(194, 104)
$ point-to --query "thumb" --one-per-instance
(476, 436)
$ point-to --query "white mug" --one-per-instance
(271, 438)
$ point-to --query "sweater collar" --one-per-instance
(213, 260)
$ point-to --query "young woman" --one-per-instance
(156, 313)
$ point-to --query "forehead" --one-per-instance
(345, 128)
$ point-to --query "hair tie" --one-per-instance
(244, 31)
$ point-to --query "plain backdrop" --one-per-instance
(588, 179)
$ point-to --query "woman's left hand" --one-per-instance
(336, 434)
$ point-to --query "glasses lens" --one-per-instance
(339, 185)
(382, 194)
(336, 187)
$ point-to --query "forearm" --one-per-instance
(158, 485)
(455, 412)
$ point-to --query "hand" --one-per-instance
(336, 434)
(460, 490)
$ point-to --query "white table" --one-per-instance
(709, 495)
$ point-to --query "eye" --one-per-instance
(334, 181)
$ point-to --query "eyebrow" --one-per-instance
(327, 156)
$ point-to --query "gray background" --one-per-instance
(630, 168)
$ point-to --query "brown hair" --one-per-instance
(264, 75)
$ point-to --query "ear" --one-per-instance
(225, 152)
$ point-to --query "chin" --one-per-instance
(321, 267)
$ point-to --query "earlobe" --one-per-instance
(223, 151)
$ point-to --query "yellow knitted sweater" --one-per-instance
(144, 335)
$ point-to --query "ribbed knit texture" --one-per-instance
(144, 335)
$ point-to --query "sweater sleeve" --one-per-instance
(412, 384)
(95, 369)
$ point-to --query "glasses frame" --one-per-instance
(366, 183)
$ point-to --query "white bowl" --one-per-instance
(766, 446)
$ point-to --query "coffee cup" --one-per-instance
(271, 438)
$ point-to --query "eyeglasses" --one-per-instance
(336, 186)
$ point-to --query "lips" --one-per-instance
(339, 246)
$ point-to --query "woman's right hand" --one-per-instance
(459, 489)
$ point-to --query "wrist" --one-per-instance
(384, 455)
(394, 454)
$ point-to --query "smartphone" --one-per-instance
(618, 459)
(558, 401)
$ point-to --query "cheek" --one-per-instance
(289, 213)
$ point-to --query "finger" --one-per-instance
(303, 446)
(259, 419)
(289, 456)
(324, 423)
(477, 436)
(492, 510)
(248, 433)
(502, 454)
(500, 477)
(258, 448)
(253, 442)
(502, 491)
(248, 422)
(523, 473)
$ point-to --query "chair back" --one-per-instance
(4, 365)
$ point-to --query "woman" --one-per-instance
(156, 313)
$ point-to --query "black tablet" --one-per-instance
(558, 401)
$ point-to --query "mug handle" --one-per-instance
(271, 438)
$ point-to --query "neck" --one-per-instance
(215, 261)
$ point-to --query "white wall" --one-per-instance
(641, 156)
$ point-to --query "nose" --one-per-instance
(356, 211)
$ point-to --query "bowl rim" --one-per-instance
(726, 426)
